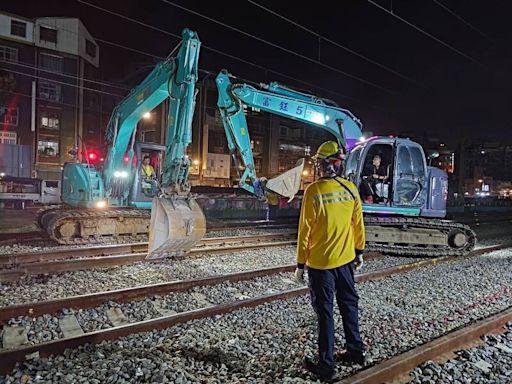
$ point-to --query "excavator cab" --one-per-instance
(405, 181)
(146, 185)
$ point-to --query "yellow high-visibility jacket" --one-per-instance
(148, 170)
(331, 225)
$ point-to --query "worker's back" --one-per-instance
(327, 236)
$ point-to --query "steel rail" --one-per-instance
(394, 367)
(114, 249)
(122, 295)
(40, 308)
(11, 357)
(58, 266)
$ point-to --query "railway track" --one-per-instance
(19, 353)
(397, 368)
(22, 237)
(15, 266)
(36, 238)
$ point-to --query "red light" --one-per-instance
(92, 156)
(126, 159)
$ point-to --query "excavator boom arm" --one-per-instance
(281, 101)
(173, 78)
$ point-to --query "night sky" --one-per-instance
(435, 91)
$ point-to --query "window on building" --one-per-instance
(90, 48)
(49, 120)
(7, 81)
(289, 132)
(18, 28)
(8, 53)
(48, 147)
(51, 62)
(7, 137)
(8, 115)
(47, 34)
(50, 91)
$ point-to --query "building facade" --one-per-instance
(52, 99)
(49, 94)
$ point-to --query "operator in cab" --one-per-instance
(376, 174)
(330, 243)
(148, 175)
(148, 172)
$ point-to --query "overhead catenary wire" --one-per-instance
(262, 68)
(322, 37)
(307, 58)
(265, 69)
(60, 82)
(460, 18)
(354, 77)
(60, 103)
(33, 67)
(236, 58)
(201, 70)
(458, 51)
(165, 32)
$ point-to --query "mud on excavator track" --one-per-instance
(173, 226)
(87, 226)
(405, 236)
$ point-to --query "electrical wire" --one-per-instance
(26, 65)
(460, 18)
(264, 69)
(316, 34)
(354, 77)
(60, 82)
(459, 52)
(48, 100)
(239, 31)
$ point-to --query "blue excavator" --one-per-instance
(112, 203)
(406, 219)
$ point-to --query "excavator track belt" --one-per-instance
(459, 239)
(74, 226)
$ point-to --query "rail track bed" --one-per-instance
(39, 239)
(15, 266)
(214, 296)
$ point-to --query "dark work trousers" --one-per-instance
(323, 285)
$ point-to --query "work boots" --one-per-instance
(350, 357)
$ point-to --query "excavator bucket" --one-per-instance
(287, 184)
(177, 225)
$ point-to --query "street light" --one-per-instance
(147, 115)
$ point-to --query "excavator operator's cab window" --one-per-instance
(150, 170)
(376, 174)
(411, 176)
(351, 164)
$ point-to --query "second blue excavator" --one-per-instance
(407, 219)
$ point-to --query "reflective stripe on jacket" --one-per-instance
(331, 224)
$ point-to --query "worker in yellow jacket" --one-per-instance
(330, 243)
